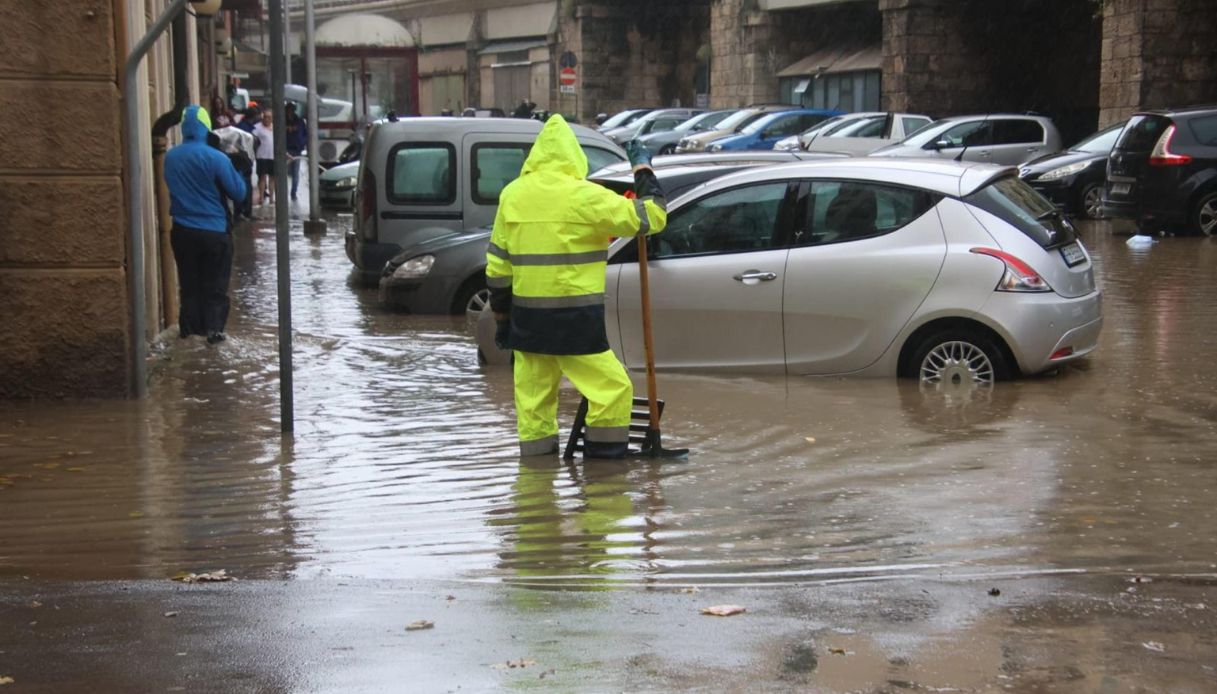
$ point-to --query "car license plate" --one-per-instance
(1073, 254)
(1121, 188)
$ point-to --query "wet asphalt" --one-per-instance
(864, 524)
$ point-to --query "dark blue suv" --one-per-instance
(1163, 171)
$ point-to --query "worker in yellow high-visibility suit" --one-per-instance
(545, 270)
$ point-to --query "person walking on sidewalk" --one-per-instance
(297, 143)
(545, 270)
(265, 154)
(199, 178)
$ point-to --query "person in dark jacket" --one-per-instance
(297, 143)
(199, 178)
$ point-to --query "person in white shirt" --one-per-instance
(265, 156)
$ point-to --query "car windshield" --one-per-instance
(758, 124)
(1020, 206)
(703, 122)
(738, 119)
(1100, 142)
(618, 119)
(852, 128)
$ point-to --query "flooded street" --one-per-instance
(866, 515)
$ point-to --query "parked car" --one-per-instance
(623, 118)
(697, 142)
(421, 178)
(665, 142)
(447, 274)
(1163, 171)
(953, 273)
(764, 132)
(1074, 179)
(659, 120)
(1009, 139)
(335, 118)
(336, 186)
(864, 135)
(800, 141)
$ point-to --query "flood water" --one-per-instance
(403, 463)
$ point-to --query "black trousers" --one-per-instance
(204, 265)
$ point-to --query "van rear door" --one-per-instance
(421, 197)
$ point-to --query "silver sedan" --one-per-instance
(949, 272)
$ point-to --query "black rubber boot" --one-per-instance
(605, 451)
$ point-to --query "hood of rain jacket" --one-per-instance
(199, 176)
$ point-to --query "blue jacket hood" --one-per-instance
(196, 123)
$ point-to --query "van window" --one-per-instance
(1142, 133)
(912, 125)
(599, 158)
(422, 173)
(1020, 206)
(494, 166)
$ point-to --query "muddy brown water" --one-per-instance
(404, 462)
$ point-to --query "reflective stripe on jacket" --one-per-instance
(550, 243)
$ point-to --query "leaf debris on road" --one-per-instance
(723, 610)
(6, 680)
(513, 664)
(420, 625)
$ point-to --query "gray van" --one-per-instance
(420, 178)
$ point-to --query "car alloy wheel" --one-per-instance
(1206, 214)
(478, 301)
(1092, 201)
(957, 363)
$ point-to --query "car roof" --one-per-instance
(441, 126)
(710, 159)
(1184, 111)
(974, 116)
(956, 179)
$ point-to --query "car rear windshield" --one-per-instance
(1020, 206)
(1142, 133)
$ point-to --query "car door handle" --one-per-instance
(755, 276)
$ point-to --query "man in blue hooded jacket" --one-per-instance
(199, 178)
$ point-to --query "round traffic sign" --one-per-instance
(566, 76)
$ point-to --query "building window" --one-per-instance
(843, 91)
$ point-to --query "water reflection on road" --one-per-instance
(404, 465)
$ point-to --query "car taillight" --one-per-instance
(1162, 154)
(367, 205)
(1019, 277)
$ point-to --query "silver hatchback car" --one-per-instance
(949, 272)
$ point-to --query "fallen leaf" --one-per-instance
(995, 591)
(723, 610)
(75, 469)
(691, 589)
(420, 624)
(451, 597)
(839, 651)
(810, 439)
(1154, 646)
(209, 577)
(171, 614)
(513, 664)
(35, 604)
(6, 680)
(136, 514)
(47, 466)
(550, 671)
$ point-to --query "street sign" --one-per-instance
(566, 89)
(566, 77)
(567, 59)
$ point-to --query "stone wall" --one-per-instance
(1157, 53)
(62, 218)
(631, 54)
(929, 66)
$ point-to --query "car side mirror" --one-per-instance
(939, 144)
(600, 118)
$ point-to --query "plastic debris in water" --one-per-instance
(1140, 241)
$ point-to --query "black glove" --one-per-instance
(502, 334)
(637, 153)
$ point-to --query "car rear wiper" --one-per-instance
(1048, 215)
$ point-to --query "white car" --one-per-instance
(948, 272)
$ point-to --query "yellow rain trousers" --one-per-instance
(545, 269)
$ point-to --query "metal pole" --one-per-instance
(277, 73)
(135, 201)
(314, 225)
(287, 44)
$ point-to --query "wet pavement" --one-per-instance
(863, 522)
